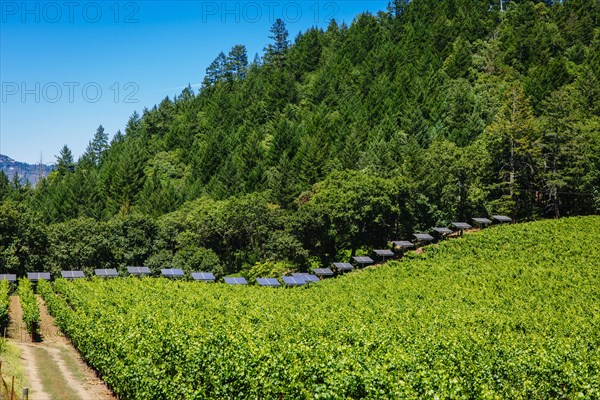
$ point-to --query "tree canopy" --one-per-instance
(343, 137)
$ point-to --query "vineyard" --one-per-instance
(31, 312)
(509, 312)
(4, 302)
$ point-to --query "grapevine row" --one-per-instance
(506, 313)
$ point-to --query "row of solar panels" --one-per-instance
(296, 279)
(443, 231)
(421, 237)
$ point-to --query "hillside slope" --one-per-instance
(424, 113)
(509, 312)
(425, 86)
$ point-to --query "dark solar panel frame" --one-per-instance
(403, 244)
(38, 276)
(461, 225)
(270, 282)
(482, 221)
(203, 276)
(384, 253)
(106, 272)
(172, 272)
(343, 266)
(138, 271)
(8, 277)
(502, 218)
(293, 281)
(424, 237)
(72, 274)
(306, 276)
(443, 231)
(235, 281)
(363, 260)
(323, 272)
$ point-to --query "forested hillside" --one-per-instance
(427, 112)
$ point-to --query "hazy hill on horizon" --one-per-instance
(31, 173)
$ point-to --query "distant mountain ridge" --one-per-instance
(27, 172)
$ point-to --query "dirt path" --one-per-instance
(18, 334)
(53, 367)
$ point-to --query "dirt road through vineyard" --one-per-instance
(53, 367)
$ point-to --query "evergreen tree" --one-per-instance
(514, 146)
(64, 161)
(215, 71)
(97, 146)
(397, 7)
(133, 124)
(237, 62)
(4, 186)
(279, 35)
(563, 152)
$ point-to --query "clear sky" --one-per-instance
(68, 66)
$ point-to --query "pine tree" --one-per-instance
(279, 35)
(514, 146)
(133, 124)
(397, 7)
(215, 71)
(118, 138)
(64, 161)
(237, 63)
(4, 186)
(97, 146)
(281, 180)
(561, 143)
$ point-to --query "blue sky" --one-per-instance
(68, 66)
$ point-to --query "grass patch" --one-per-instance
(10, 355)
(72, 364)
(52, 380)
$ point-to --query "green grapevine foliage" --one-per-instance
(4, 301)
(31, 311)
(510, 312)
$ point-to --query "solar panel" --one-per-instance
(293, 281)
(502, 218)
(203, 276)
(461, 225)
(403, 244)
(272, 282)
(343, 266)
(138, 271)
(384, 253)
(172, 272)
(443, 231)
(363, 260)
(236, 281)
(323, 272)
(72, 274)
(424, 237)
(482, 221)
(307, 277)
(106, 272)
(38, 276)
(8, 277)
